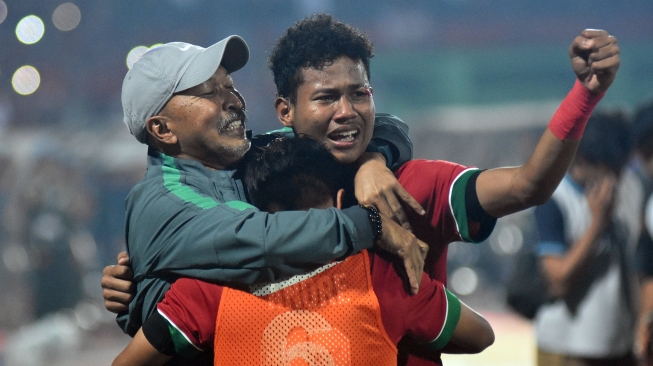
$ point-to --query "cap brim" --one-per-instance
(236, 54)
(232, 53)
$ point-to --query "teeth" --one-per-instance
(347, 133)
(345, 136)
(234, 125)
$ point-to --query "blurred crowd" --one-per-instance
(61, 222)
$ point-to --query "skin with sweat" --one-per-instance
(204, 123)
(335, 106)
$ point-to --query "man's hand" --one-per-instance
(117, 286)
(404, 244)
(595, 59)
(375, 185)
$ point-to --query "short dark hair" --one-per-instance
(607, 139)
(643, 129)
(291, 174)
(315, 42)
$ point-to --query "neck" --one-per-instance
(177, 155)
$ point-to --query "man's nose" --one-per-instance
(345, 109)
(234, 101)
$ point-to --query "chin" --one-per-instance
(244, 147)
(235, 151)
(346, 158)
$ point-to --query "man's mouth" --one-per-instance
(234, 125)
(344, 136)
(234, 122)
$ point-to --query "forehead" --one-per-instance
(342, 72)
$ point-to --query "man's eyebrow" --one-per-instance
(337, 90)
(326, 90)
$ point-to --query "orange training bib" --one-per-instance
(330, 316)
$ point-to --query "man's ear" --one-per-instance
(339, 195)
(285, 111)
(157, 127)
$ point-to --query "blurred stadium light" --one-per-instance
(66, 17)
(26, 80)
(3, 11)
(30, 29)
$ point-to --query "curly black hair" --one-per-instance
(315, 42)
(291, 174)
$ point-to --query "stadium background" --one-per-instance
(475, 80)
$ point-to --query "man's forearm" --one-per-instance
(251, 246)
(504, 191)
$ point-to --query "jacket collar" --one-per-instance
(157, 158)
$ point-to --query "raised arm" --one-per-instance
(595, 60)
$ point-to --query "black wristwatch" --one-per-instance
(375, 220)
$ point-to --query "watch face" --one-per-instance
(648, 215)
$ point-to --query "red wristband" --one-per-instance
(570, 119)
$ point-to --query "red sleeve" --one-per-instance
(422, 316)
(191, 306)
(430, 182)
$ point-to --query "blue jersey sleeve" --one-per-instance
(551, 229)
